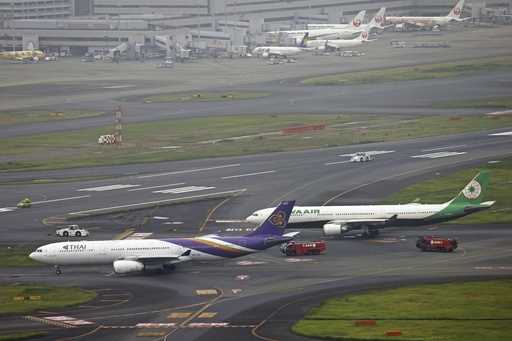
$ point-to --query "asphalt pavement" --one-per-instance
(259, 296)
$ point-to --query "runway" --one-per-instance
(260, 296)
(128, 83)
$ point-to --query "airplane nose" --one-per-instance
(32, 256)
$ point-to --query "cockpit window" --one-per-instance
(39, 250)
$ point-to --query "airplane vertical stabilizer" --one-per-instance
(358, 19)
(474, 191)
(456, 11)
(276, 223)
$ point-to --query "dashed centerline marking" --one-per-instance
(106, 188)
(335, 163)
(437, 155)
(248, 174)
(441, 148)
(153, 187)
(184, 189)
(506, 133)
(7, 209)
(188, 171)
(61, 199)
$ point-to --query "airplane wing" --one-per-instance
(156, 260)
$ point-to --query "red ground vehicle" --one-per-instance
(303, 248)
(431, 243)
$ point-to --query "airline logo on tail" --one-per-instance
(457, 10)
(378, 19)
(356, 22)
(364, 35)
(472, 190)
(278, 219)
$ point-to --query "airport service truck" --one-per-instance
(294, 248)
(431, 243)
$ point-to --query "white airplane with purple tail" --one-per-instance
(128, 256)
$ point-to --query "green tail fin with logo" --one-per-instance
(474, 191)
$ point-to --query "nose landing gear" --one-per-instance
(58, 271)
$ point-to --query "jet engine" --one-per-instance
(126, 266)
(335, 229)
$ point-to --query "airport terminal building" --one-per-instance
(81, 25)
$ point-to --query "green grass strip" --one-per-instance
(202, 96)
(23, 298)
(455, 311)
(222, 136)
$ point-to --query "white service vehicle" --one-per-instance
(362, 157)
(72, 231)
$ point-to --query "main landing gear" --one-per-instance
(369, 233)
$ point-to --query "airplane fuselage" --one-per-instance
(420, 21)
(381, 215)
(107, 251)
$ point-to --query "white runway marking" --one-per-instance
(335, 163)
(106, 188)
(184, 189)
(188, 171)
(118, 86)
(139, 235)
(438, 155)
(230, 221)
(248, 174)
(103, 209)
(506, 133)
(7, 209)
(61, 199)
(441, 148)
(153, 187)
(371, 152)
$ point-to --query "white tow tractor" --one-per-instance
(362, 157)
(72, 231)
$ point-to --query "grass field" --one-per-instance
(443, 188)
(17, 299)
(203, 96)
(16, 257)
(408, 73)
(20, 117)
(471, 311)
(14, 336)
(193, 138)
(493, 102)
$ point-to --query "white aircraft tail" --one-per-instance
(358, 19)
(378, 20)
(364, 36)
(456, 11)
